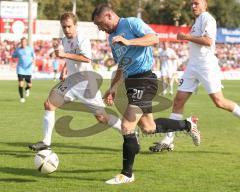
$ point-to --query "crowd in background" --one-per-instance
(228, 55)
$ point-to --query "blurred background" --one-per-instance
(39, 22)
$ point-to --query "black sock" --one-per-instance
(164, 125)
(20, 90)
(130, 149)
(26, 88)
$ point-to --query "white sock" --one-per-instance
(236, 110)
(48, 125)
(174, 116)
(114, 122)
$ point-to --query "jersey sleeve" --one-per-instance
(85, 48)
(139, 28)
(209, 27)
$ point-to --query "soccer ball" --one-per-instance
(46, 161)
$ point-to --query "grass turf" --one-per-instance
(86, 162)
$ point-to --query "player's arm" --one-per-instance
(63, 74)
(204, 40)
(110, 94)
(145, 36)
(76, 57)
(146, 40)
(117, 79)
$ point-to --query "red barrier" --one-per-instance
(169, 32)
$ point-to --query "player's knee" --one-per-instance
(148, 131)
(126, 128)
(148, 128)
(29, 85)
(101, 119)
(48, 106)
(20, 83)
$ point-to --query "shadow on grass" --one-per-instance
(53, 176)
(7, 100)
(95, 149)
(17, 154)
(186, 152)
(17, 180)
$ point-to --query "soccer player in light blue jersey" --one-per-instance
(25, 55)
(131, 40)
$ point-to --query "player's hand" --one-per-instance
(63, 75)
(181, 36)
(109, 96)
(55, 45)
(120, 39)
(59, 53)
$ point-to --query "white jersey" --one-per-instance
(203, 65)
(77, 45)
(205, 25)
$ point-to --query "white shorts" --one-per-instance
(207, 75)
(85, 91)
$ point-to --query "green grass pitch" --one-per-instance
(86, 162)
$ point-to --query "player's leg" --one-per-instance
(164, 125)
(28, 79)
(170, 81)
(164, 79)
(187, 85)
(57, 97)
(92, 99)
(165, 84)
(48, 125)
(109, 119)
(177, 114)
(55, 74)
(20, 87)
(221, 102)
(130, 145)
(210, 79)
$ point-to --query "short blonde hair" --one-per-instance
(69, 15)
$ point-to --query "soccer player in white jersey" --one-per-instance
(77, 55)
(202, 67)
(168, 67)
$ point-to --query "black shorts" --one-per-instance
(141, 89)
(27, 78)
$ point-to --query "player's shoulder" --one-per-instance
(207, 16)
(132, 19)
(82, 37)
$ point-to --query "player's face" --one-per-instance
(105, 22)
(69, 28)
(198, 6)
(23, 43)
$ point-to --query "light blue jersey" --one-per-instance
(55, 64)
(132, 59)
(25, 60)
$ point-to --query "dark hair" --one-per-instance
(23, 38)
(101, 8)
(69, 15)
